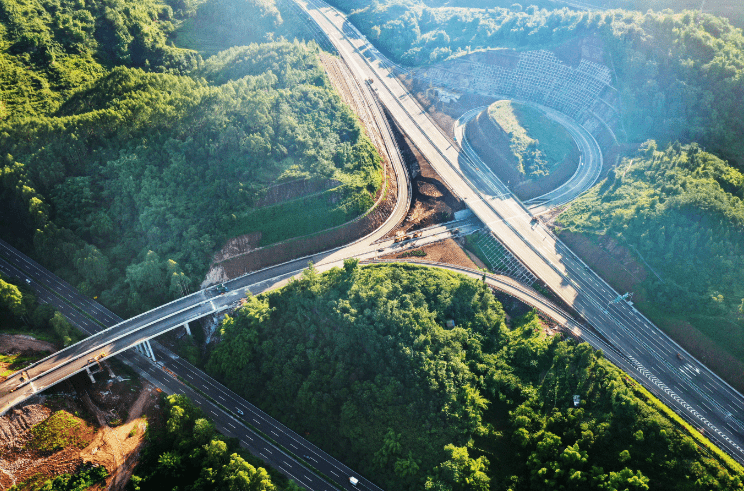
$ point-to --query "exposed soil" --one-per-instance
(447, 251)
(432, 201)
(102, 406)
(444, 113)
(18, 343)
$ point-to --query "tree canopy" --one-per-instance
(681, 209)
(360, 360)
(680, 75)
(186, 453)
(128, 180)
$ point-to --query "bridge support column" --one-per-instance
(87, 369)
(188, 331)
(149, 348)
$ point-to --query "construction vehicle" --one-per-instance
(400, 236)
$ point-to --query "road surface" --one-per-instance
(585, 176)
(686, 385)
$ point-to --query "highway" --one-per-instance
(686, 385)
(586, 174)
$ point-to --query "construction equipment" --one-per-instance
(400, 236)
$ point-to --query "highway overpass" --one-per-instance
(686, 385)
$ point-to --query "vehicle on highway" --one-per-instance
(399, 236)
(221, 288)
(353, 480)
(28, 281)
(679, 356)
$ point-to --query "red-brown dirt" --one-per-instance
(447, 251)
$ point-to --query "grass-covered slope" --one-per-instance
(361, 360)
(537, 144)
(128, 179)
(681, 209)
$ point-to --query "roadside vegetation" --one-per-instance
(680, 209)
(126, 162)
(186, 453)
(679, 74)
(359, 360)
(21, 313)
(82, 480)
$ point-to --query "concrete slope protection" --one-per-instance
(686, 385)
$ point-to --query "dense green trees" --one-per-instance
(127, 181)
(679, 75)
(681, 209)
(186, 453)
(21, 312)
(359, 360)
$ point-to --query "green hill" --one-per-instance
(127, 162)
(680, 210)
(679, 75)
(361, 362)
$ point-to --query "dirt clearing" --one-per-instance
(447, 251)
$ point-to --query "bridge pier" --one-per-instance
(90, 374)
(151, 353)
(186, 325)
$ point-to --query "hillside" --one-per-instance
(125, 169)
(523, 147)
(361, 361)
(679, 75)
(680, 211)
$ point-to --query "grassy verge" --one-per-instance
(701, 440)
(302, 216)
(12, 363)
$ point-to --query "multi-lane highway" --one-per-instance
(585, 176)
(685, 385)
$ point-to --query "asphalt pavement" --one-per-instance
(686, 385)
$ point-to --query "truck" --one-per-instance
(353, 480)
(400, 236)
(221, 288)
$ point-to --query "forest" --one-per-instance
(21, 312)
(681, 209)
(184, 452)
(680, 76)
(363, 361)
(126, 162)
